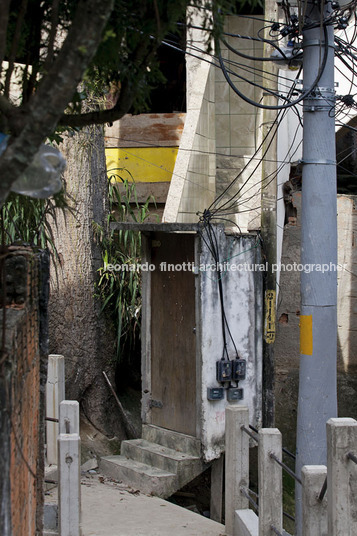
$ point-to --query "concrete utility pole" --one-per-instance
(318, 322)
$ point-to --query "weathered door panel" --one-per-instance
(173, 345)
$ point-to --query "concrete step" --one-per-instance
(182, 464)
(173, 440)
(139, 475)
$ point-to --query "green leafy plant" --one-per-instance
(119, 290)
(29, 221)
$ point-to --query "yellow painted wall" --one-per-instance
(143, 164)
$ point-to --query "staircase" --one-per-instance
(160, 463)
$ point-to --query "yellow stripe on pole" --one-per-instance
(306, 339)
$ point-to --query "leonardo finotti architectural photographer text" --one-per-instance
(225, 267)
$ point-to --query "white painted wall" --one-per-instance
(192, 187)
(346, 283)
(289, 149)
(238, 127)
(243, 302)
(343, 76)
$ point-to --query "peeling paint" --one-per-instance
(243, 306)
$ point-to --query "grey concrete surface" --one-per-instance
(112, 509)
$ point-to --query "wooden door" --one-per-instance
(173, 345)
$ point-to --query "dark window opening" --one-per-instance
(242, 8)
(170, 96)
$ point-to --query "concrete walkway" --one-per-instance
(112, 509)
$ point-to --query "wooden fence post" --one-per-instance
(342, 477)
(55, 393)
(236, 463)
(270, 481)
(314, 511)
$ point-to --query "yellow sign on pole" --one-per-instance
(269, 324)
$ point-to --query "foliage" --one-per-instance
(119, 290)
(26, 220)
(124, 64)
(52, 53)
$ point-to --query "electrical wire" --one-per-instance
(263, 182)
(341, 43)
(250, 68)
(303, 95)
(228, 71)
(212, 245)
(236, 206)
(277, 123)
(149, 145)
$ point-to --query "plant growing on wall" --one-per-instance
(120, 289)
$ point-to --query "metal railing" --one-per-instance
(326, 509)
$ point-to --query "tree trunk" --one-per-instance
(78, 330)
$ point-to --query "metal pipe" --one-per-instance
(285, 467)
(252, 502)
(323, 490)
(51, 419)
(250, 434)
(352, 457)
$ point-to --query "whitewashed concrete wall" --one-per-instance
(238, 126)
(192, 185)
(345, 83)
(243, 302)
(289, 150)
(221, 135)
(237, 122)
(347, 287)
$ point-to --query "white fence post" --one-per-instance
(270, 481)
(69, 489)
(55, 393)
(341, 477)
(314, 511)
(69, 417)
(236, 463)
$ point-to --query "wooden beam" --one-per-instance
(146, 130)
